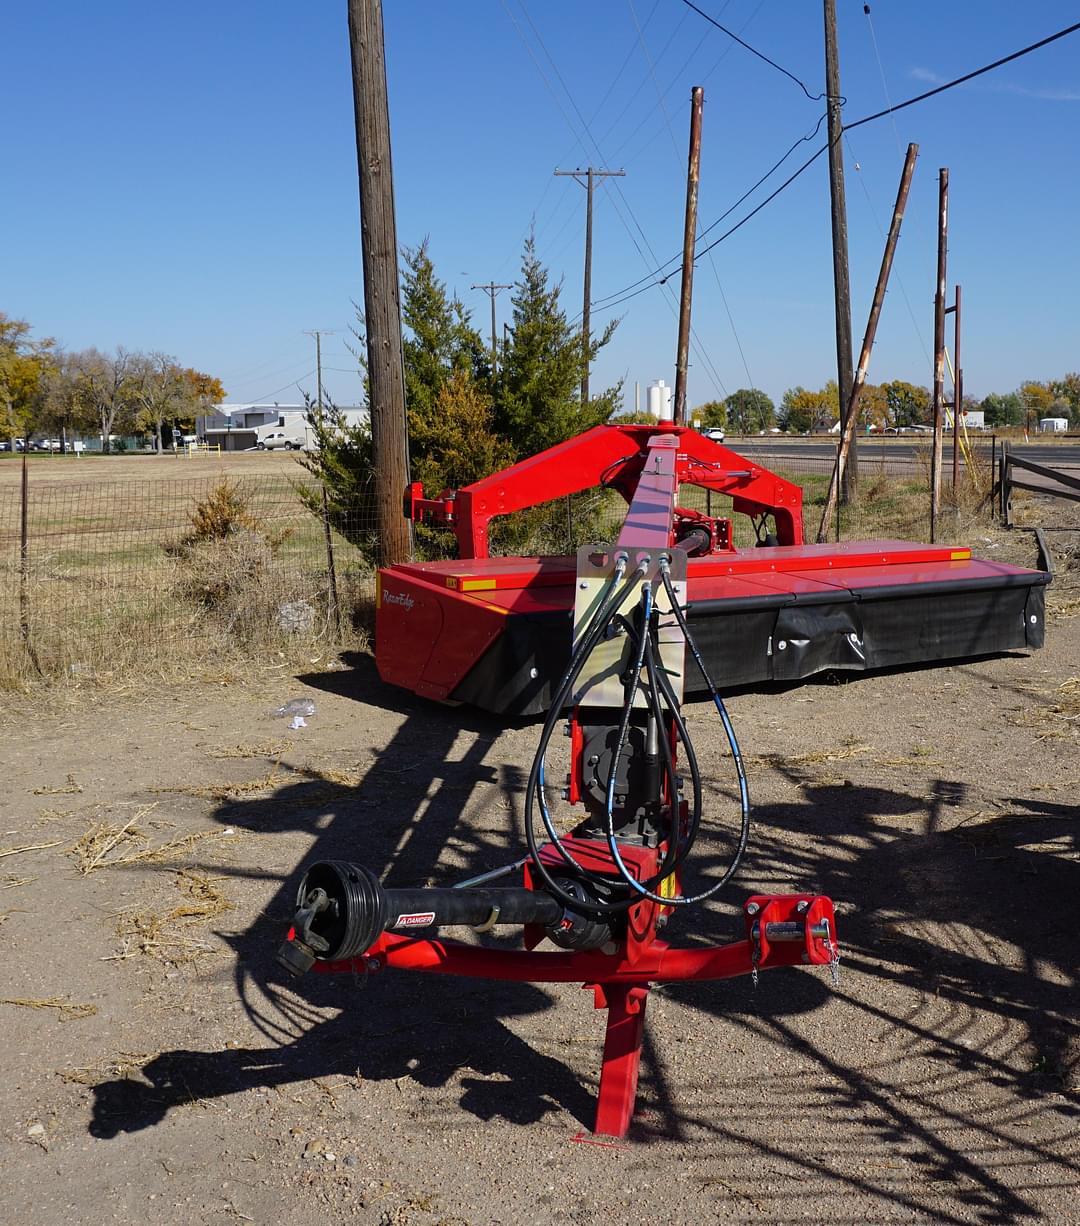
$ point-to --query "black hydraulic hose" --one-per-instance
(733, 742)
(589, 638)
(597, 907)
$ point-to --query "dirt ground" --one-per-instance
(156, 1067)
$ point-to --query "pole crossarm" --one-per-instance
(591, 174)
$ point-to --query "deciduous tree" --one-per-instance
(711, 413)
(1003, 410)
(25, 364)
(1038, 400)
(750, 411)
(103, 387)
(802, 411)
(907, 404)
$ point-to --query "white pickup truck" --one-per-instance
(292, 433)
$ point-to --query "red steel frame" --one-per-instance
(611, 456)
(621, 981)
(646, 465)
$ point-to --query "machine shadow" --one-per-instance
(925, 901)
(398, 820)
(901, 866)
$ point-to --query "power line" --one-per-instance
(675, 146)
(294, 383)
(970, 76)
(754, 51)
(596, 147)
(726, 213)
(630, 291)
(881, 71)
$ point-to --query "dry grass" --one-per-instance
(124, 1066)
(1057, 713)
(230, 791)
(159, 579)
(16, 851)
(168, 936)
(107, 844)
(66, 1010)
(10, 882)
(267, 750)
(849, 749)
(69, 788)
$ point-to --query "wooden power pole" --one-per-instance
(591, 174)
(847, 435)
(693, 174)
(841, 278)
(382, 301)
(939, 348)
(492, 291)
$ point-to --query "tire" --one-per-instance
(288, 446)
(260, 446)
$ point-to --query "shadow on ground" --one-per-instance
(975, 920)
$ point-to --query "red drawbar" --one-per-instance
(620, 979)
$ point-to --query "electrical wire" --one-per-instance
(881, 73)
(293, 383)
(754, 51)
(631, 291)
(969, 76)
(601, 303)
(672, 304)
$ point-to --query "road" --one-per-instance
(897, 454)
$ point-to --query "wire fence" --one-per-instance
(120, 573)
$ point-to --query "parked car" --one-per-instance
(715, 433)
(277, 440)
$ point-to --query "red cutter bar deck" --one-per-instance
(495, 632)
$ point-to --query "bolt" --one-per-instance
(583, 585)
(752, 908)
(566, 793)
(373, 964)
(1033, 619)
(802, 906)
(567, 730)
(782, 645)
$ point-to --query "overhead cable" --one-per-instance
(754, 51)
(631, 290)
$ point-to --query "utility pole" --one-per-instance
(847, 435)
(318, 334)
(841, 279)
(697, 97)
(958, 392)
(492, 290)
(382, 302)
(939, 348)
(591, 174)
(328, 539)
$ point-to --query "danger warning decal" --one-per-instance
(418, 919)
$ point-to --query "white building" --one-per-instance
(235, 427)
(1053, 425)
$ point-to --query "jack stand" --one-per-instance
(625, 1004)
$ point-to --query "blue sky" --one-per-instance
(183, 178)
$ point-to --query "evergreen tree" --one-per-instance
(538, 392)
(439, 337)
